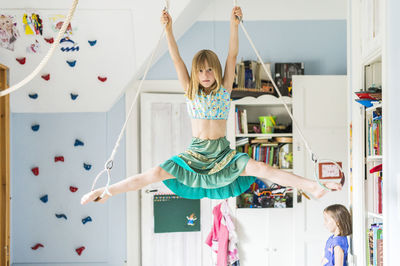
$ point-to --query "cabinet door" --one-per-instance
(166, 131)
(320, 107)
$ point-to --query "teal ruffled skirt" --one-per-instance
(208, 168)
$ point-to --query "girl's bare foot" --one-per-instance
(319, 191)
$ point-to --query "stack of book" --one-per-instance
(375, 244)
(374, 137)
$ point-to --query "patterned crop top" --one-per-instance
(210, 107)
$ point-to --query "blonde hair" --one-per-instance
(199, 63)
(342, 217)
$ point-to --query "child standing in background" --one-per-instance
(337, 220)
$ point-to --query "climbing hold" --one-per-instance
(21, 60)
(35, 127)
(74, 96)
(59, 159)
(35, 171)
(80, 250)
(102, 79)
(87, 166)
(49, 40)
(37, 246)
(61, 215)
(73, 189)
(46, 77)
(78, 143)
(33, 96)
(87, 219)
(71, 63)
(92, 43)
(44, 198)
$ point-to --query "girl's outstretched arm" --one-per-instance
(229, 74)
(180, 66)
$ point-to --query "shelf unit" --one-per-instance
(261, 106)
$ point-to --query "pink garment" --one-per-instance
(218, 237)
(233, 239)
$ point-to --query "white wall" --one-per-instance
(278, 10)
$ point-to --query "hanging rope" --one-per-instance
(110, 162)
(49, 54)
(314, 158)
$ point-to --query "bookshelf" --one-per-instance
(368, 122)
(274, 146)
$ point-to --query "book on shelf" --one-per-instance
(374, 134)
(241, 141)
(241, 121)
(374, 192)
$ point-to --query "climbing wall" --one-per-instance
(55, 158)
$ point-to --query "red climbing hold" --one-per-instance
(80, 250)
(102, 79)
(49, 40)
(35, 171)
(59, 159)
(73, 189)
(21, 60)
(38, 245)
(46, 77)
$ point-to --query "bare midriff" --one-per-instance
(208, 129)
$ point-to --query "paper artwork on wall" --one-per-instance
(32, 24)
(56, 22)
(33, 48)
(68, 45)
(8, 32)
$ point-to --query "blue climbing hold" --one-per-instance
(74, 96)
(61, 215)
(44, 198)
(71, 63)
(92, 43)
(87, 219)
(87, 166)
(33, 95)
(35, 127)
(78, 143)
